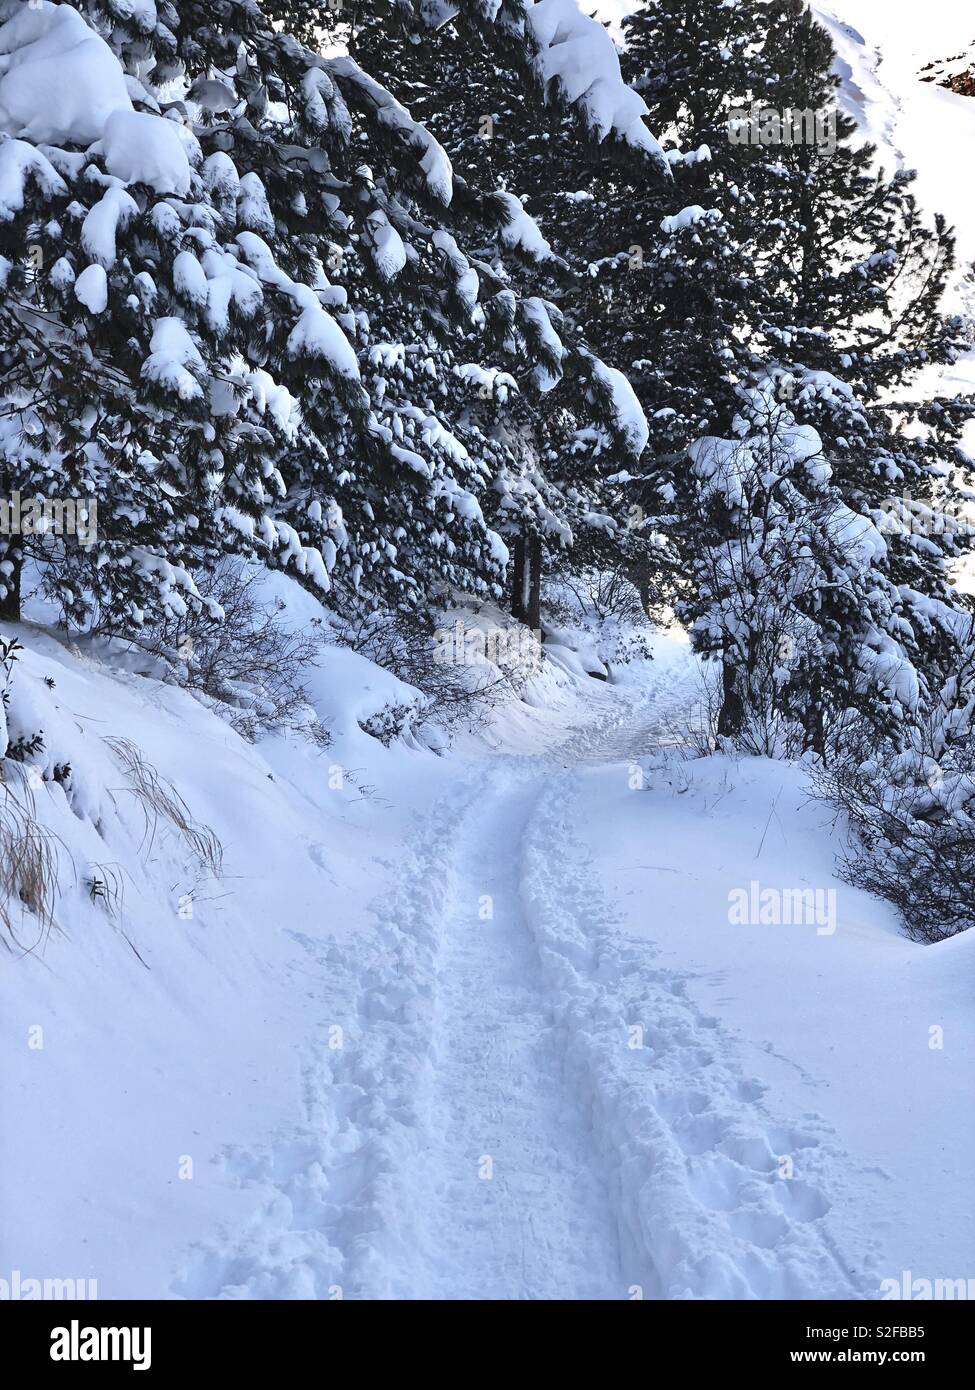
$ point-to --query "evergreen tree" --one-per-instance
(305, 304)
(826, 280)
(795, 593)
(507, 135)
(694, 62)
(104, 389)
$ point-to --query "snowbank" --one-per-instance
(166, 1017)
(824, 1045)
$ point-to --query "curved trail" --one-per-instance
(487, 1130)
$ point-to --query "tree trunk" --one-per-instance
(816, 735)
(518, 580)
(533, 615)
(643, 589)
(732, 713)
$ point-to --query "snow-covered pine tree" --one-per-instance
(125, 318)
(524, 148)
(694, 62)
(343, 345)
(854, 279)
(849, 268)
(793, 592)
(833, 242)
(90, 372)
(656, 288)
(827, 279)
(827, 261)
(472, 336)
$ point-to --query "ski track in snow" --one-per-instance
(510, 1187)
(485, 1126)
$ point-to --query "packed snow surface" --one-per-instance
(476, 1025)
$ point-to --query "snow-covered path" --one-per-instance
(525, 1102)
(494, 1184)
(509, 1185)
(487, 1031)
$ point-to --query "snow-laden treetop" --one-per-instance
(573, 56)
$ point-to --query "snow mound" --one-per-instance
(91, 288)
(142, 148)
(59, 81)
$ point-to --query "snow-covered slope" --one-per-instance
(815, 1046)
(162, 1018)
(464, 1026)
(882, 45)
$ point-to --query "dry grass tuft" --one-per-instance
(29, 862)
(160, 800)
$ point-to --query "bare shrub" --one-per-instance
(695, 729)
(607, 605)
(606, 594)
(457, 696)
(105, 885)
(763, 733)
(926, 869)
(250, 664)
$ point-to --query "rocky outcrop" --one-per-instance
(957, 74)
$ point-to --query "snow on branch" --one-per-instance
(571, 54)
(433, 160)
(608, 386)
(577, 54)
(520, 231)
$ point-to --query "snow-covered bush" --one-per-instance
(457, 694)
(794, 592)
(392, 721)
(911, 812)
(249, 662)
